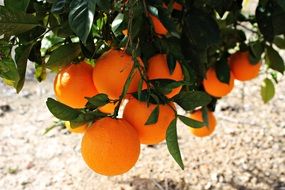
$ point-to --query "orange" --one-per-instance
(73, 83)
(205, 130)
(80, 129)
(137, 113)
(110, 146)
(157, 25)
(241, 67)
(111, 72)
(125, 32)
(158, 69)
(214, 86)
(108, 108)
(175, 6)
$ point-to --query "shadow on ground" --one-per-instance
(270, 180)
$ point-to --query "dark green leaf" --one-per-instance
(164, 17)
(83, 118)
(140, 86)
(117, 22)
(98, 100)
(17, 5)
(63, 55)
(279, 42)
(278, 17)
(192, 99)
(58, 6)
(274, 60)
(264, 21)
(153, 117)
(21, 58)
(62, 111)
(256, 50)
(165, 86)
(267, 90)
(191, 122)
(15, 22)
(104, 5)
(201, 29)
(223, 71)
(81, 17)
(89, 48)
(172, 143)
(171, 63)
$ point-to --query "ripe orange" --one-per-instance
(137, 113)
(205, 130)
(111, 72)
(158, 69)
(242, 68)
(110, 146)
(80, 129)
(73, 83)
(214, 86)
(157, 25)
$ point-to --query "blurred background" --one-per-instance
(246, 152)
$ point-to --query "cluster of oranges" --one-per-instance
(240, 69)
(111, 146)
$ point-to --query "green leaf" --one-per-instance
(21, 58)
(153, 117)
(274, 60)
(98, 100)
(171, 63)
(117, 22)
(63, 55)
(8, 71)
(163, 16)
(83, 118)
(17, 5)
(62, 111)
(223, 71)
(267, 90)
(140, 86)
(81, 17)
(172, 143)
(256, 50)
(165, 86)
(15, 22)
(58, 6)
(191, 122)
(192, 99)
(201, 29)
(279, 42)
(264, 20)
